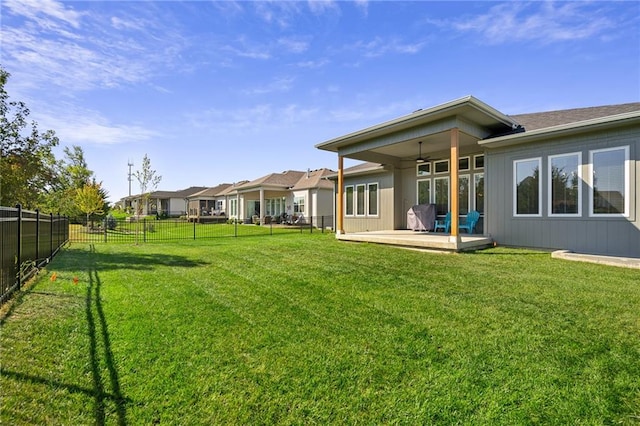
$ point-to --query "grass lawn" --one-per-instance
(303, 329)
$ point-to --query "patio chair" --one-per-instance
(444, 224)
(470, 222)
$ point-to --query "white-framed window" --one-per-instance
(219, 205)
(564, 185)
(478, 161)
(372, 207)
(423, 169)
(441, 194)
(609, 181)
(360, 200)
(348, 201)
(441, 166)
(464, 193)
(478, 192)
(233, 207)
(527, 187)
(464, 164)
(298, 205)
(423, 191)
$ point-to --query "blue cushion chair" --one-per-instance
(444, 224)
(470, 222)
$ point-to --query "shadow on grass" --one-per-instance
(98, 331)
(77, 258)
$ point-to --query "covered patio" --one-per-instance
(443, 139)
(421, 240)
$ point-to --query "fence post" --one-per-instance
(105, 225)
(50, 234)
(235, 227)
(311, 224)
(194, 229)
(19, 245)
(322, 223)
(37, 235)
(144, 230)
(270, 228)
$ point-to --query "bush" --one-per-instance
(110, 222)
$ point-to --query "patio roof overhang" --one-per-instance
(397, 140)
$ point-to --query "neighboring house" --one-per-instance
(163, 203)
(291, 195)
(566, 179)
(313, 197)
(208, 204)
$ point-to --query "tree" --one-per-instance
(90, 199)
(148, 180)
(27, 164)
(71, 174)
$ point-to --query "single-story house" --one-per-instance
(567, 179)
(208, 204)
(292, 195)
(163, 203)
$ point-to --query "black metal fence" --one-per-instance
(28, 239)
(132, 230)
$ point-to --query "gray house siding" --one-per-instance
(598, 235)
(386, 204)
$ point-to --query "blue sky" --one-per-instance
(221, 91)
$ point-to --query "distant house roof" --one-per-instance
(182, 193)
(315, 179)
(233, 187)
(540, 120)
(211, 192)
(283, 180)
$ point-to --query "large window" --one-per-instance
(298, 205)
(373, 199)
(424, 191)
(609, 182)
(233, 207)
(441, 195)
(348, 205)
(478, 190)
(526, 188)
(360, 197)
(564, 184)
(463, 194)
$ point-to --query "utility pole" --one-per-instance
(130, 165)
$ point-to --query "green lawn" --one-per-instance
(303, 329)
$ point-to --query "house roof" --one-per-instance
(211, 192)
(468, 108)
(571, 128)
(283, 180)
(359, 169)
(539, 120)
(182, 193)
(233, 187)
(315, 179)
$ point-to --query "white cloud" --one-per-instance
(319, 7)
(545, 22)
(47, 13)
(88, 127)
(283, 84)
(80, 51)
(293, 45)
(379, 47)
(311, 64)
